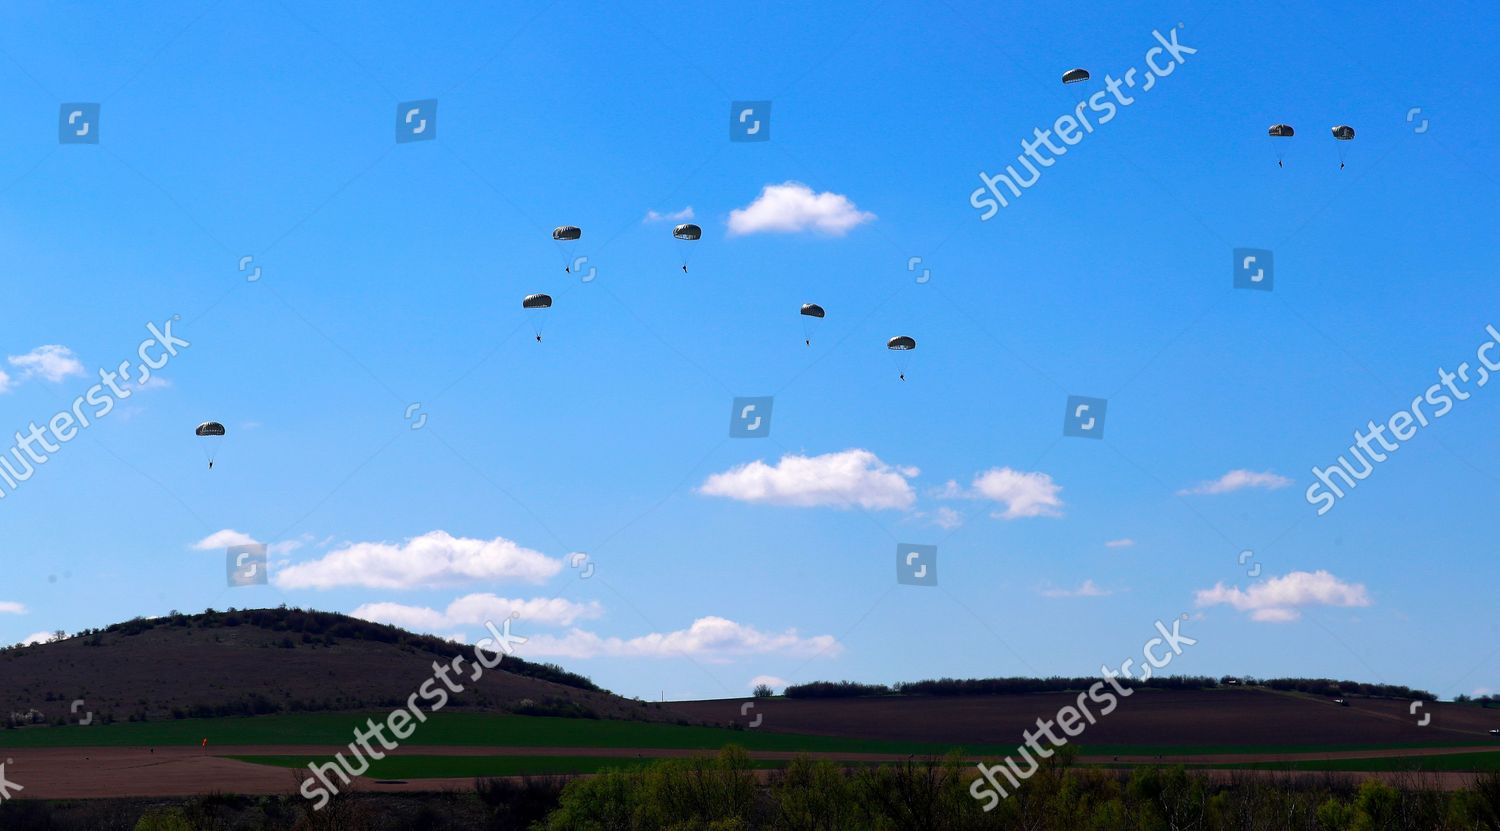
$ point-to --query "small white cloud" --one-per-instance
(947, 518)
(841, 480)
(1123, 542)
(771, 681)
(223, 539)
(10, 607)
(288, 546)
(432, 560)
(1280, 599)
(6, 385)
(51, 362)
(792, 207)
(713, 639)
(681, 216)
(1023, 494)
(478, 609)
(1087, 589)
(153, 383)
(1236, 480)
(227, 537)
(36, 637)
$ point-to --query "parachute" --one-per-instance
(900, 346)
(686, 233)
(811, 313)
(1342, 133)
(214, 431)
(568, 234)
(1074, 76)
(537, 301)
(1280, 131)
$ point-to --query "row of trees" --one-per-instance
(1021, 685)
(722, 794)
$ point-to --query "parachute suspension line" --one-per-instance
(686, 234)
(811, 314)
(569, 234)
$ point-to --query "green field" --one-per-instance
(460, 729)
(452, 730)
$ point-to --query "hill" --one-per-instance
(261, 661)
(1223, 717)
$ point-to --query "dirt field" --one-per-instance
(1148, 717)
(67, 773)
(1228, 726)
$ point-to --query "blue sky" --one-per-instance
(392, 274)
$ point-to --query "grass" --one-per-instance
(450, 729)
(463, 729)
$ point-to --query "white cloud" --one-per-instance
(709, 638)
(477, 609)
(52, 362)
(1236, 480)
(36, 637)
(153, 383)
(10, 607)
(792, 207)
(228, 536)
(681, 216)
(434, 559)
(1087, 589)
(947, 518)
(1279, 599)
(1023, 494)
(5, 383)
(842, 480)
(771, 681)
(223, 539)
(1123, 542)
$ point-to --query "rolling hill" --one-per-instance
(261, 661)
